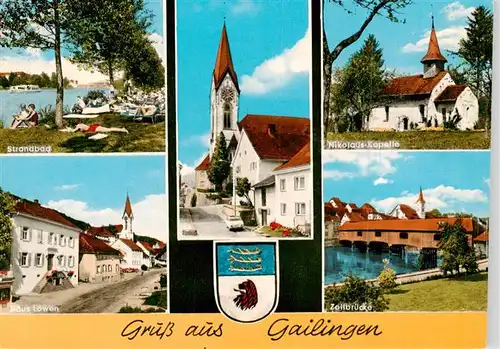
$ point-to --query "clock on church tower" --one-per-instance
(227, 94)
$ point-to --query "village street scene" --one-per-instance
(418, 75)
(81, 243)
(91, 81)
(411, 235)
(244, 162)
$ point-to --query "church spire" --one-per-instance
(421, 196)
(224, 63)
(433, 52)
(421, 204)
(127, 212)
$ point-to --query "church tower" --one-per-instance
(421, 205)
(127, 219)
(224, 96)
(433, 61)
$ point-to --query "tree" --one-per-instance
(357, 293)
(4, 82)
(6, 206)
(387, 8)
(359, 84)
(194, 199)
(243, 187)
(101, 34)
(219, 164)
(455, 249)
(387, 278)
(37, 24)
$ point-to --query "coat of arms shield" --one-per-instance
(246, 279)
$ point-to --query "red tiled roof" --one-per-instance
(354, 216)
(424, 225)
(484, 237)
(409, 212)
(204, 165)
(34, 209)
(451, 93)
(105, 231)
(367, 208)
(131, 245)
(128, 207)
(90, 244)
(289, 136)
(302, 158)
(147, 246)
(433, 52)
(224, 62)
(412, 85)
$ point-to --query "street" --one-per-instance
(208, 222)
(98, 298)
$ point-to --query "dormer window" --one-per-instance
(227, 116)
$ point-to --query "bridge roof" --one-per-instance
(405, 225)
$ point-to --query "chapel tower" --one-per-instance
(421, 205)
(224, 96)
(127, 219)
(433, 61)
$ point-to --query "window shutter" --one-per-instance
(30, 233)
(20, 258)
(29, 259)
(42, 260)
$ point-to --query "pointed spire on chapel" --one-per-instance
(224, 63)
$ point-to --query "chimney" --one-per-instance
(271, 130)
(37, 202)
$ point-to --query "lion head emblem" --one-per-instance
(247, 297)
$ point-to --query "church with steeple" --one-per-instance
(427, 100)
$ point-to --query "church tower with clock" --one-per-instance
(224, 98)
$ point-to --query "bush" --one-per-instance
(248, 218)
(94, 94)
(158, 298)
(163, 280)
(129, 309)
(356, 292)
(387, 278)
(48, 115)
(144, 267)
(193, 200)
(452, 123)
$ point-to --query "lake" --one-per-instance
(9, 102)
(340, 260)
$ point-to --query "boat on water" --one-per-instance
(24, 89)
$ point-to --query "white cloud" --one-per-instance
(280, 70)
(488, 182)
(244, 7)
(337, 175)
(67, 187)
(382, 181)
(159, 44)
(368, 162)
(441, 197)
(448, 39)
(456, 10)
(150, 214)
(203, 139)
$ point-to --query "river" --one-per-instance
(9, 102)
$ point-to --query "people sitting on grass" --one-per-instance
(95, 128)
(27, 117)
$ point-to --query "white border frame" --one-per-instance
(258, 239)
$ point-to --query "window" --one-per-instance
(117, 268)
(62, 260)
(126, 221)
(71, 261)
(300, 183)
(98, 269)
(109, 267)
(386, 113)
(300, 208)
(238, 168)
(24, 259)
(283, 184)
(422, 112)
(378, 234)
(25, 234)
(39, 236)
(39, 260)
(227, 116)
(52, 239)
(443, 111)
(253, 166)
(264, 196)
(403, 236)
(437, 237)
(283, 209)
(360, 233)
(71, 242)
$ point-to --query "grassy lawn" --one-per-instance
(142, 137)
(421, 139)
(460, 294)
(277, 233)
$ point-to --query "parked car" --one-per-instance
(234, 223)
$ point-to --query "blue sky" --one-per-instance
(404, 44)
(92, 189)
(260, 32)
(34, 61)
(451, 181)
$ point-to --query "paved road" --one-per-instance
(209, 224)
(109, 298)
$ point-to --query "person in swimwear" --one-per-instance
(27, 115)
(95, 128)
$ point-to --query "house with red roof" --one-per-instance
(45, 249)
(425, 100)
(99, 262)
(266, 149)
